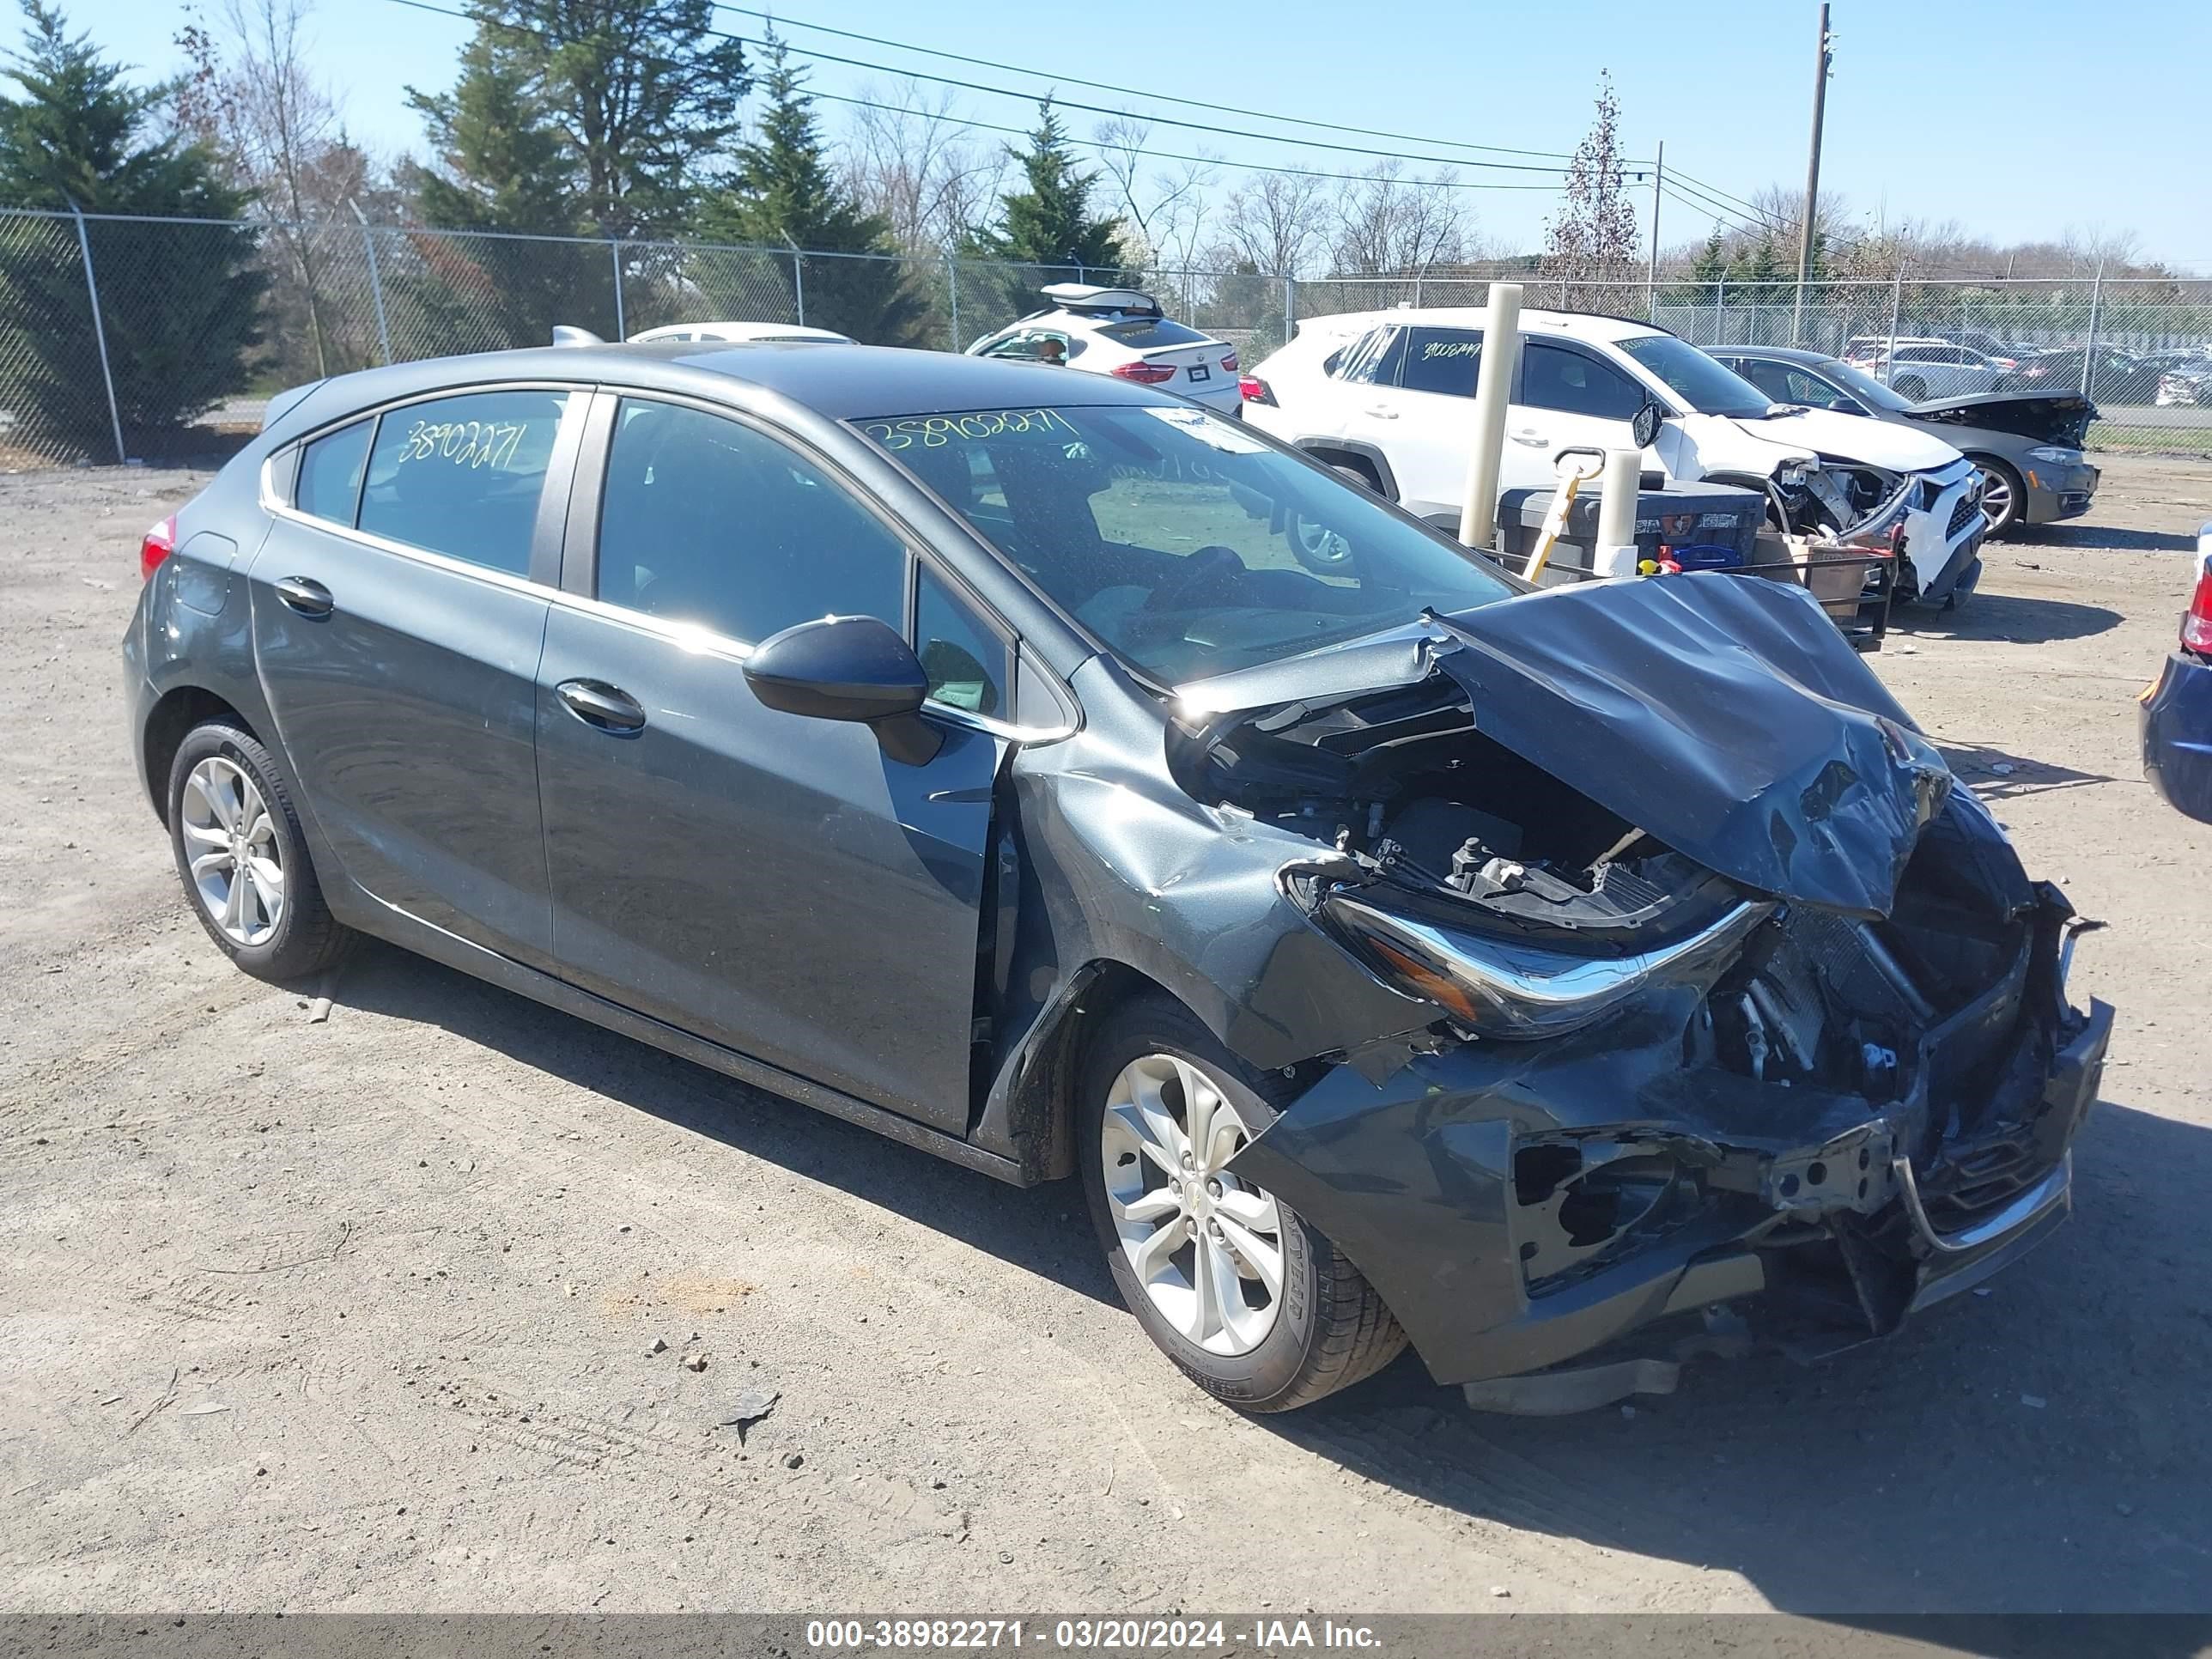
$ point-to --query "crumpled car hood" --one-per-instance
(1722, 715)
(2061, 417)
(1856, 438)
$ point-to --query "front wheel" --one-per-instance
(2004, 494)
(1254, 1305)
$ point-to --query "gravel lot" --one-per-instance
(357, 1315)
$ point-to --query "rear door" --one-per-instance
(399, 606)
(1419, 411)
(777, 884)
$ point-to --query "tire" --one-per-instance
(2003, 477)
(1911, 387)
(1325, 1329)
(226, 792)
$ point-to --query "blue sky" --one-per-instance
(2020, 118)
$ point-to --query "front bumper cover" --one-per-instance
(1835, 1217)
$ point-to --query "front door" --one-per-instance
(398, 629)
(777, 884)
(1571, 407)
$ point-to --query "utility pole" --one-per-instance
(1651, 273)
(1812, 179)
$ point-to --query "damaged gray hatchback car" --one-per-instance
(1392, 953)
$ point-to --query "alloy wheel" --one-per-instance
(237, 863)
(1206, 1246)
(1997, 498)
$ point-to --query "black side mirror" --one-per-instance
(1644, 427)
(849, 668)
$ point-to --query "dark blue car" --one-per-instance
(2177, 710)
(1393, 952)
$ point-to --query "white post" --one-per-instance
(99, 334)
(376, 281)
(1623, 485)
(1493, 389)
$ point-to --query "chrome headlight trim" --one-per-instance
(1518, 989)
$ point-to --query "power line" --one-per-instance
(1692, 197)
(1718, 193)
(1168, 155)
(1090, 109)
(1666, 187)
(1133, 92)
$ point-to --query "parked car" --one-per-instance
(1917, 369)
(742, 334)
(2185, 378)
(1388, 395)
(1121, 332)
(960, 747)
(2115, 376)
(2176, 709)
(2028, 447)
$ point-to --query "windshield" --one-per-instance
(1862, 385)
(1696, 379)
(1186, 544)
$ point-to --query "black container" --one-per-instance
(1669, 516)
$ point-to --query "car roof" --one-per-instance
(1773, 354)
(1574, 324)
(840, 382)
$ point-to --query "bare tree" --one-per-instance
(1166, 206)
(1592, 237)
(1275, 223)
(251, 96)
(910, 162)
(1389, 225)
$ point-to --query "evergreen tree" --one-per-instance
(80, 134)
(1048, 223)
(1711, 263)
(500, 164)
(786, 193)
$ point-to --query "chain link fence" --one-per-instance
(131, 338)
(2140, 347)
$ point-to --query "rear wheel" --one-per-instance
(243, 859)
(2004, 493)
(1254, 1305)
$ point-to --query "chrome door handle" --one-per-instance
(309, 599)
(609, 707)
(1385, 413)
(1533, 440)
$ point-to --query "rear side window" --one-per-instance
(330, 473)
(1371, 360)
(1442, 360)
(1555, 377)
(964, 660)
(1144, 333)
(706, 520)
(462, 476)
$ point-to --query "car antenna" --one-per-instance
(566, 335)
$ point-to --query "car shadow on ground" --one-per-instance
(2103, 538)
(2039, 1447)
(2042, 1447)
(1041, 1228)
(2005, 618)
(1999, 775)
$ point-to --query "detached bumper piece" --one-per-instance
(2176, 718)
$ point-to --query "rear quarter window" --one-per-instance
(330, 473)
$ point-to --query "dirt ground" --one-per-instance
(360, 1314)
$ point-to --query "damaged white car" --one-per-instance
(1388, 396)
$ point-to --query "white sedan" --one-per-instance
(1122, 332)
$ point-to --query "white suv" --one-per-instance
(1388, 395)
(1121, 332)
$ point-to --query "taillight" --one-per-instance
(159, 542)
(1144, 373)
(1253, 390)
(2196, 626)
(1228, 364)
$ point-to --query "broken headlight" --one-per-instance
(1502, 987)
